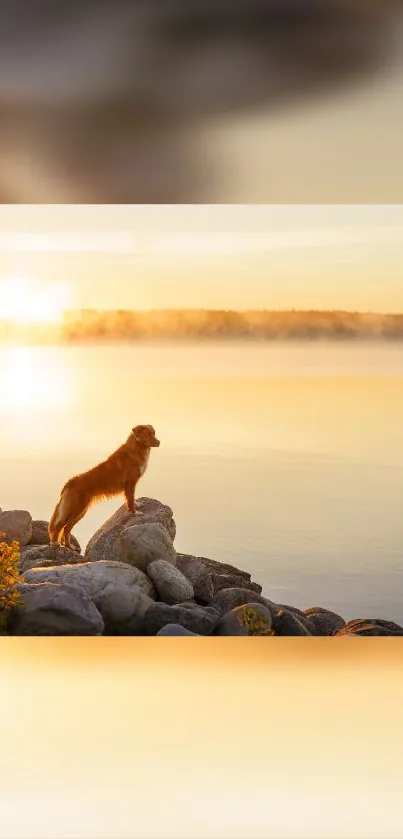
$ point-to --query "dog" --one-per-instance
(120, 473)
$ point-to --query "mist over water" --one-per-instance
(285, 458)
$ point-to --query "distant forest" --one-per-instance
(97, 325)
(214, 324)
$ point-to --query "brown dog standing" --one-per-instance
(120, 473)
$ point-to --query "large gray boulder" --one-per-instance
(104, 543)
(17, 526)
(113, 587)
(49, 609)
(172, 586)
(195, 570)
(145, 543)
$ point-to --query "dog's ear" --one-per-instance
(138, 432)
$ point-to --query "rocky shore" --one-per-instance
(130, 580)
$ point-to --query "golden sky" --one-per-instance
(211, 256)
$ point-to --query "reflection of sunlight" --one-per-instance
(31, 378)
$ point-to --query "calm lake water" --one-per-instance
(286, 459)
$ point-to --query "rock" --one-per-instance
(173, 630)
(222, 581)
(103, 544)
(224, 575)
(40, 535)
(50, 609)
(370, 626)
(172, 586)
(199, 619)
(325, 621)
(101, 581)
(194, 569)
(17, 525)
(229, 598)
(298, 612)
(302, 617)
(141, 545)
(133, 625)
(123, 609)
(250, 619)
(285, 623)
(216, 567)
(44, 556)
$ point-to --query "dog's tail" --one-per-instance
(58, 519)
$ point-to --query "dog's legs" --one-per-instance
(70, 523)
(63, 519)
(56, 525)
(68, 527)
(129, 496)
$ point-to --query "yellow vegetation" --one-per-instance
(10, 578)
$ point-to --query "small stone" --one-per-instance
(216, 567)
(194, 569)
(141, 545)
(302, 617)
(172, 586)
(45, 556)
(17, 525)
(229, 598)
(325, 621)
(370, 626)
(223, 581)
(285, 623)
(250, 619)
(199, 619)
(173, 630)
(40, 535)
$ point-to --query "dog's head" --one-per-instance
(145, 435)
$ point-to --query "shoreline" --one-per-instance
(131, 581)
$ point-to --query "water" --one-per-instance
(285, 459)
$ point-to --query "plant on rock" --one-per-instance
(10, 578)
(255, 622)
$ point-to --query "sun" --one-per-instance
(24, 301)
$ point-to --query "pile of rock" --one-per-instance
(132, 581)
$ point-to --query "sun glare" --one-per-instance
(24, 301)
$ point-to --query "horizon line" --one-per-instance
(309, 310)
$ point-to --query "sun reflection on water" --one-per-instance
(35, 385)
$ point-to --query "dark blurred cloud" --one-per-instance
(106, 102)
